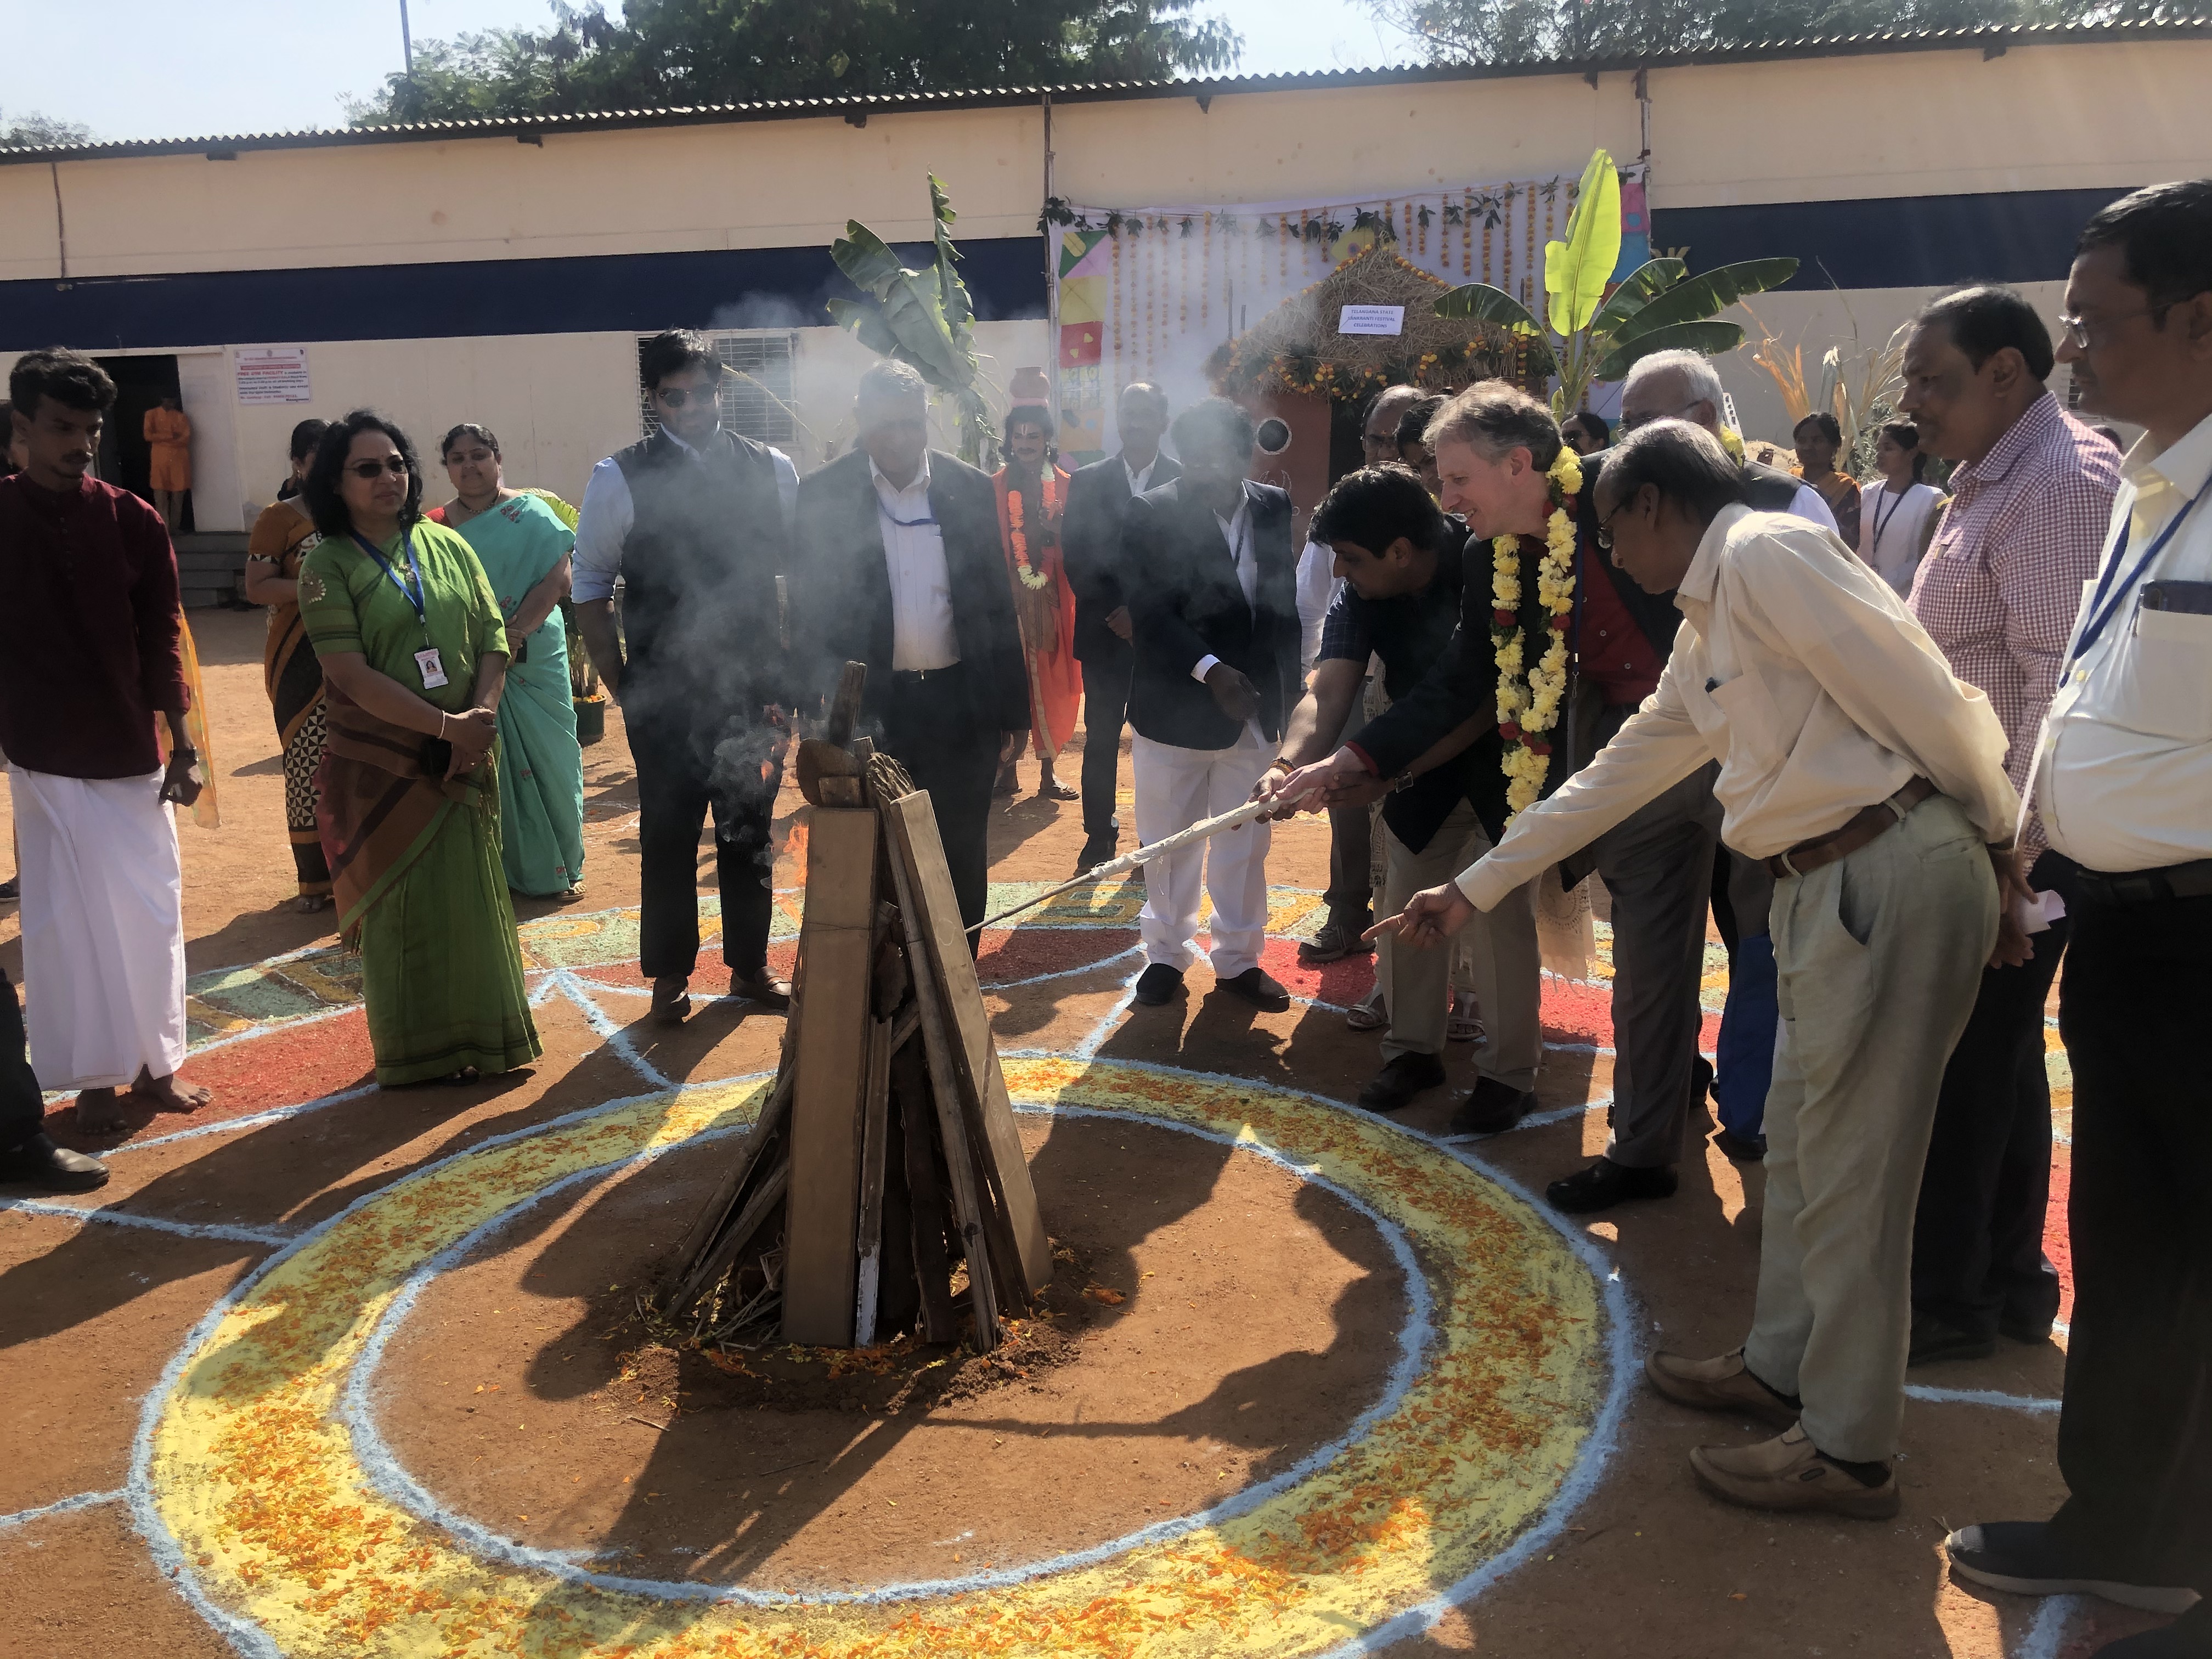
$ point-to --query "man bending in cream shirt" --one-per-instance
(1872, 782)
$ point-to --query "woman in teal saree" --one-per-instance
(524, 548)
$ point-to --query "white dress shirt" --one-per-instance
(922, 633)
(1316, 587)
(603, 520)
(2124, 770)
(1797, 668)
(1140, 478)
(1237, 531)
(1811, 506)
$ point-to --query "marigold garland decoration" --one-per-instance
(1031, 578)
(1528, 702)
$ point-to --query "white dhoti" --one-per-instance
(103, 929)
(1175, 788)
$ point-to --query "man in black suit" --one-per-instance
(899, 566)
(1214, 604)
(1099, 498)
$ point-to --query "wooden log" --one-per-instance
(730, 1192)
(845, 705)
(898, 1297)
(760, 1209)
(930, 1217)
(875, 1112)
(837, 936)
(914, 832)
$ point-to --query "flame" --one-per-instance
(794, 848)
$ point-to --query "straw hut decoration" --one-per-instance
(1295, 363)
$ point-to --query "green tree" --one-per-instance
(28, 130)
(672, 52)
(1508, 31)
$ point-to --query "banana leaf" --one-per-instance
(1637, 289)
(1576, 270)
(867, 326)
(952, 292)
(1481, 303)
(1710, 338)
(1696, 298)
(907, 306)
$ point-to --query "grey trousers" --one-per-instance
(1502, 963)
(1416, 985)
(1880, 958)
(1658, 866)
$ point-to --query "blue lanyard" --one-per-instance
(412, 595)
(2102, 610)
(903, 524)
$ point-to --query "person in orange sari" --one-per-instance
(168, 431)
(1032, 493)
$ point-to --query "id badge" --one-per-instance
(433, 671)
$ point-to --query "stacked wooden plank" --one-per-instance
(886, 1159)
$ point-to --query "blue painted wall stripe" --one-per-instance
(736, 287)
(1888, 242)
(1898, 241)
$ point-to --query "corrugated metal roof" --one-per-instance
(1991, 42)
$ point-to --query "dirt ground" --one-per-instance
(1258, 1313)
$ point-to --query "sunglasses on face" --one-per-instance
(395, 465)
(676, 396)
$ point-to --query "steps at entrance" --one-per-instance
(208, 567)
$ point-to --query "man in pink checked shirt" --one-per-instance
(1997, 592)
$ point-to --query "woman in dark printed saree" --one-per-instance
(282, 535)
(415, 655)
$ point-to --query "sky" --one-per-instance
(153, 69)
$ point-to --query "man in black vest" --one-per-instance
(1099, 497)
(899, 567)
(1213, 599)
(695, 522)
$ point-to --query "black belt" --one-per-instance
(2173, 881)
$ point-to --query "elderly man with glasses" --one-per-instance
(1871, 780)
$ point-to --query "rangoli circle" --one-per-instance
(250, 1484)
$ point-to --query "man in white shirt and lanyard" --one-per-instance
(695, 522)
(898, 565)
(2123, 784)
(1872, 782)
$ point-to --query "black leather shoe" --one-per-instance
(1936, 1340)
(1158, 984)
(39, 1163)
(1605, 1184)
(1492, 1108)
(671, 1001)
(1403, 1079)
(1094, 854)
(1741, 1149)
(1260, 988)
(2033, 1332)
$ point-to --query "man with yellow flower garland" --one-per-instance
(1569, 662)
(1871, 779)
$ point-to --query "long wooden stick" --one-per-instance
(1128, 862)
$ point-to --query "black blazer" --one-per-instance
(841, 586)
(1186, 602)
(1090, 544)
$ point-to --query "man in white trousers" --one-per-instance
(1213, 609)
(89, 659)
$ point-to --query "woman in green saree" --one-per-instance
(414, 657)
(524, 549)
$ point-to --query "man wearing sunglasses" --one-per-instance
(695, 520)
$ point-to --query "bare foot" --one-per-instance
(168, 1094)
(98, 1112)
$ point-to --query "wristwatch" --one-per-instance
(1403, 781)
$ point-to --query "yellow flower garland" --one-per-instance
(1528, 703)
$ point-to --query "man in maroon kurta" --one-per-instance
(90, 656)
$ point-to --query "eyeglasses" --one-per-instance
(1603, 534)
(395, 465)
(2077, 329)
(676, 396)
(1629, 423)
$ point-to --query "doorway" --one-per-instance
(126, 459)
